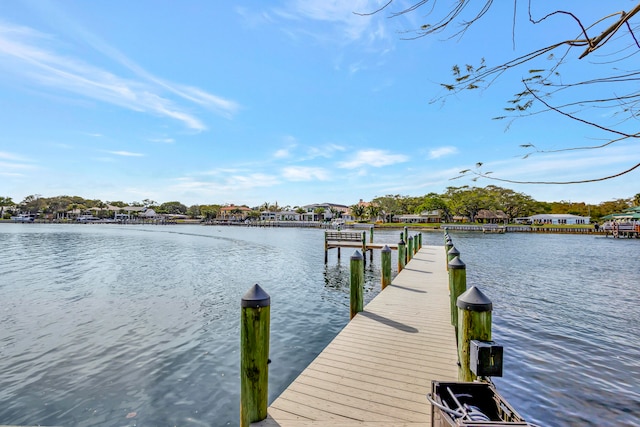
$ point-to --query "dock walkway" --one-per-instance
(379, 368)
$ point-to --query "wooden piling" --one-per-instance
(406, 233)
(409, 248)
(385, 261)
(457, 286)
(453, 252)
(371, 234)
(447, 246)
(357, 283)
(326, 249)
(474, 319)
(401, 256)
(254, 355)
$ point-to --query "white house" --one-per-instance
(557, 219)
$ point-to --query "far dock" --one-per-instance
(379, 368)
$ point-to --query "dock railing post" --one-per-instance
(448, 244)
(254, 355)
(457, 286)
(357, 283)
(401, 255)
(453, 252)
(474, 320)
(385, 260)
(409, 248)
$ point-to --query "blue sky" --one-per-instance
(290, 101)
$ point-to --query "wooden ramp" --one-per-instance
(377, 371)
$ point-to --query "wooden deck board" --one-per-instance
(377, 371)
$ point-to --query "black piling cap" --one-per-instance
(457, 263)
(453, 251)
(401, 242)
(474, 300)
(356, 256)
(386, 249)
(256, 297)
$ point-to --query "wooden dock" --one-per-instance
(377, 371)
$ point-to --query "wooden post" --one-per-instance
(385, 257)
(453, 252)
(474, 316)
(357, 283)
(409, 248)
(254, 355)
(338, 252)
(415, 244)
(419, 241)
(447, 247)
(364, 247)
(401, 256)
(371, 234)
(326, 248)
(406, 234)
(457, 286)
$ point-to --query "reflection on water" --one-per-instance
(104, 325)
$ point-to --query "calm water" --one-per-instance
(104, 325)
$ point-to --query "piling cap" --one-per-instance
(401, 242)
(255, 297)
(386, 248)
(356, 256)
(453, 251)
(456, 263)
(474, 300)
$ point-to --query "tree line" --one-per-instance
(462, 201)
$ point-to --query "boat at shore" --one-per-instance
(23, 218)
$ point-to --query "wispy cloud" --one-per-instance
(327, 151)
(125, 153)
(436, 153)
(227, 184)
(13, 165)
(340, 13)
(163, 140)
(375, 158)
(302, 173)
(36, 57)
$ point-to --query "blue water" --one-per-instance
(105, 325)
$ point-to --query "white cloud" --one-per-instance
(125, 153)
(339, 12)
(282, 153)
(436, 153)
(302, 173)
(163, 140)
(327, 151)
(375, 158)
(23, 53)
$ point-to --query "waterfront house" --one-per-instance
(423, 217)
(312, 212)
(555, 219)
(280, 216)
(234, 213)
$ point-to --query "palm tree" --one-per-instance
(5, 201)
(636, 200)
(373, 211)
(319, 212)
(358, 211)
